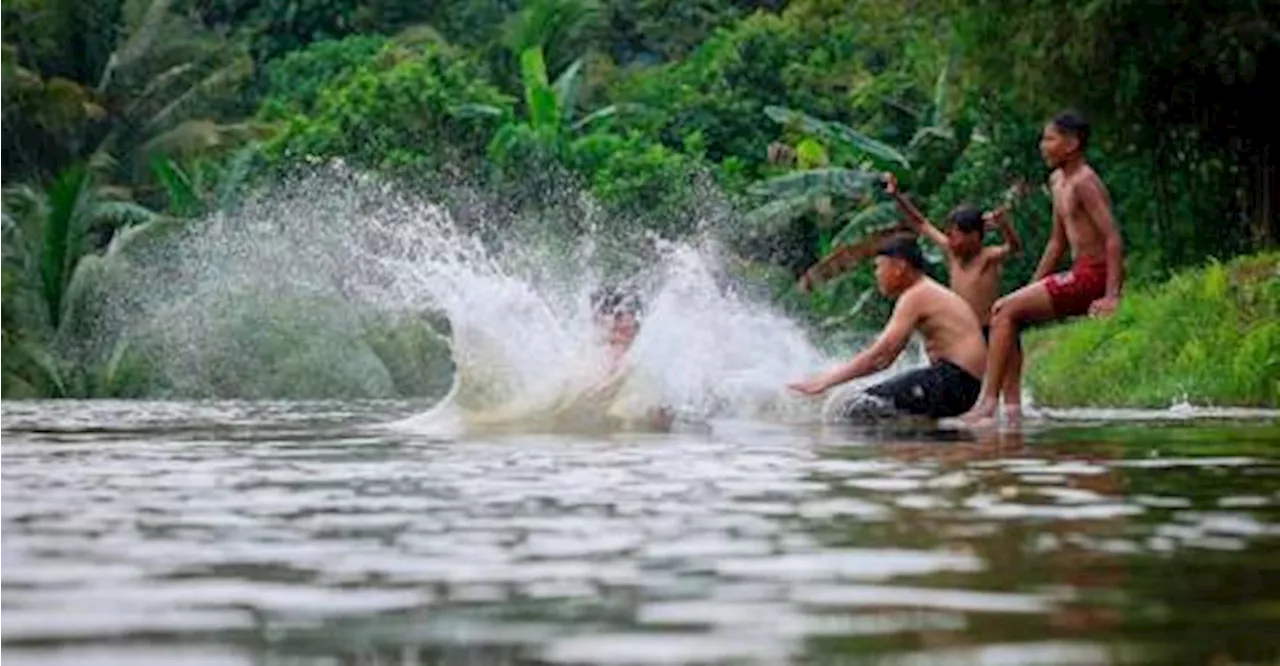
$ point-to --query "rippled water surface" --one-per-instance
(140, 533)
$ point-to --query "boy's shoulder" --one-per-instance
(994, 253)
(1086, 179)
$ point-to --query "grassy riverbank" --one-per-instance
(1209, 336)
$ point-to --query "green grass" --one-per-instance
(1210, 336)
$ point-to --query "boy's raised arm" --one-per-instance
(1053, 250)
(999, 219)
(917, 219)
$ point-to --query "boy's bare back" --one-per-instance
(946, 322)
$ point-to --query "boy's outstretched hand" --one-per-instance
(813, 386)
(890, 183)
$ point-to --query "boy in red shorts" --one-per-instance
(1081, 220)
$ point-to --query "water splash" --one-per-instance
(340, 285)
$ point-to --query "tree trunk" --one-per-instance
(1264, 197)
(1261, 192)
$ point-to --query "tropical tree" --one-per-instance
(158, 87)
(551, 111)
(59, 247)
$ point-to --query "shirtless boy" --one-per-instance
(952, 335)
(617, 318)
(1082, 221)
(974, 270)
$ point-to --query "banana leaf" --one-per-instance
(837, 131)
(566, 87)
(775, 214)
(544, 113)
(865, 221)
(828, 180)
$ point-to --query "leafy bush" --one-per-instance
(402, 108)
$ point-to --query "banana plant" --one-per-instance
(793, 194)
(551, 108)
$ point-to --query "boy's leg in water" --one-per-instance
(1028, 304)
(1012, 390)
(860, 407)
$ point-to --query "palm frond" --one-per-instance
(235, 72)
(61, 238)
(123, 213)
(109, 379)
(82, 296)
(192, 137)
(129, 241)
(159, 84)
(101, 162)
(186, 138)
(25, 205)
(141, 32)
(41, 368)
(113, 193)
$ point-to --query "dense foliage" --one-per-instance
(125, 113)
(1207, 337)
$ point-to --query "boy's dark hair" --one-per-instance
(615, 301)
(1072, 123)
(967, 218)
(906, 249)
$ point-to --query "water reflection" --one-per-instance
(251, 535)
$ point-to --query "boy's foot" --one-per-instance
(983, 413)
(1013, 414)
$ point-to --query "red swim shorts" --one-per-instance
(1074, 290)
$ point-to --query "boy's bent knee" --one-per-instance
(1006, 318)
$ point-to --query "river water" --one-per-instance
(300, 533)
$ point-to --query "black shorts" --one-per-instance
(986, 337)
(942, 390)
